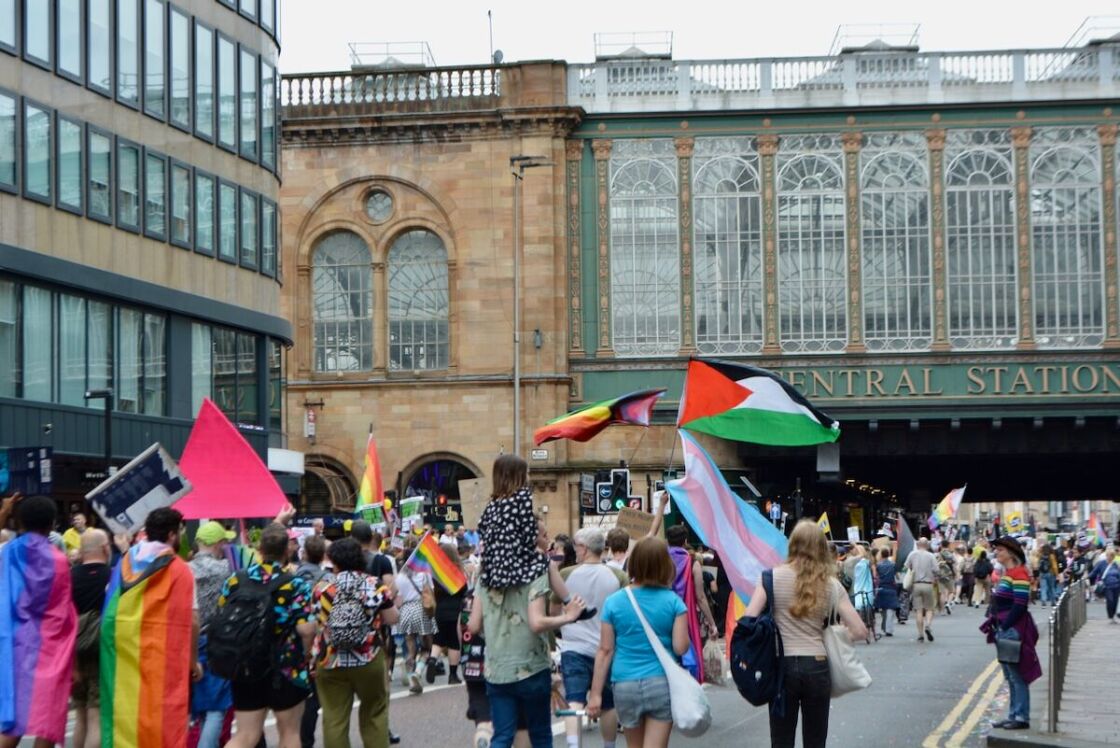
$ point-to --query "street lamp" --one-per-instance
(107, 396)
(517, 166)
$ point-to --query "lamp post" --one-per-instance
(518, 165)
(107, 396)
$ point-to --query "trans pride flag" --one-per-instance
(584, 423)
(38, 627)
(747, 543)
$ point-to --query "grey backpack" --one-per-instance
(349, 621)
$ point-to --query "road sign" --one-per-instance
(635, 502)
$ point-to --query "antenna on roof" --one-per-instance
(490, 23)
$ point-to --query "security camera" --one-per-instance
(48, 428)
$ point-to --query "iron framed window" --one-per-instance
(812, 271)
(342, 303)
(155, 195)
(895, 258)
(727, 246)
(419, 307)
(645, 248)
(70, 170)
(980, 240)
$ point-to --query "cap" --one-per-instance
(212, 533)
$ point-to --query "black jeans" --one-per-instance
(309, 720)
(1111, 596)
(808, 687)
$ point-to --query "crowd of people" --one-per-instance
(166, 646)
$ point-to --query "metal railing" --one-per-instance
(1066, 619)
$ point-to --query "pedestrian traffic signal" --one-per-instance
(612, 496)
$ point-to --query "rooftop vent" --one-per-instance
(853, 38)
(390, 55)
(631, 45)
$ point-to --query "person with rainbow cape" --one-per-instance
(38, 627)
(149, 641)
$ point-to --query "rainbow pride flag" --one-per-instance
(145, 650)
(429, 557)
(584, 423)
(38, 626)
(947, 509)
(370, 492)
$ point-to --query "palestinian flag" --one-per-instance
(749, 404)
(583, 423)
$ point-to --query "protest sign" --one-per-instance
(412, 513)
(635, 522)
(853, 534)
(27, 470)
(473, 495)
(150, 481)
(375, 515)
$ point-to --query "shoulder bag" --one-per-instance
(1008, 646)
(427, 597)
(692, 714)
(847, 672)
(908, 580)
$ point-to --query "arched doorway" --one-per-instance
(326, 487)
(436, 478)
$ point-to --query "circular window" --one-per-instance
(379, 206)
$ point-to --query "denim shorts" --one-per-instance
(645, 697)
(577, 671)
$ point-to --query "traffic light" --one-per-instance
(612, 495)
(442, 499)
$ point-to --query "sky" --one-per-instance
(315, 33)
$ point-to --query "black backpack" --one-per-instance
(756, 655)
(241, 644)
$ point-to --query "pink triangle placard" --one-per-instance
(230, 480)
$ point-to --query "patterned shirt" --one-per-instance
(508, 529)
(1010, 596)
(375, 599)
(291, 607)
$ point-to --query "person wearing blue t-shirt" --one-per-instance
(641, 690)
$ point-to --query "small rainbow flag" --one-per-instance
(145, 665)
(370, 493)
(947, 509)
(584, 423)
(429, 557)
(1096, 528)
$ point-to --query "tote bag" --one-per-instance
(848, 673)
(692, 714)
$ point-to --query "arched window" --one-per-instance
(894, 222)
(645, 257)
(727, 210)
(980, 229)
(342, 303)
(418, 302)
(1068, 272)
(811, 277)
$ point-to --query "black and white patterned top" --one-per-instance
(508, 531)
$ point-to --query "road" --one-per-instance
(932, 695)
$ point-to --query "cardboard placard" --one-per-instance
(636, 523)
(412, 513)
(375, 515)
(474, 494)
(853, 534)
(150, 481)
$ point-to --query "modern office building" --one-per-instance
(139, 177)
(924, 243)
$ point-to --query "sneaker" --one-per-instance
(414, 685)
(929, 634)
(430, 671)
(887, 633)
(1016, 725)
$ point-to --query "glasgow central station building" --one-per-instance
(924, 243)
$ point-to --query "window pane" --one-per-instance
(204, 213)
(155, 195)
(275, 385)
(99, 348)
(99, 63)
(128, 359)
(70, 164)
(201, 373)
(7, 141)
(204, 80)
(181, 204)
(71, 350)
(249, 7)
(155, 92)
(70, 37)
(100, 176)
(227, 93)
(128, 184)
(227, 239)
(342, 303)
(418, 305)
(155, 365)
(225, 371)
(248, 229)
(8, 23)
(248, 104)
(9, 338)
(247, 389)
(268, 14)
(37, 141)
(37, 22)
(38, 369)
(180, 69)
(268, 237)
(128, 50)
(268, 115)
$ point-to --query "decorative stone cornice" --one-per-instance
(573, 150)
(935, 139)
(767, 145)
(852, 141)
(684, 146)
(601, 148)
